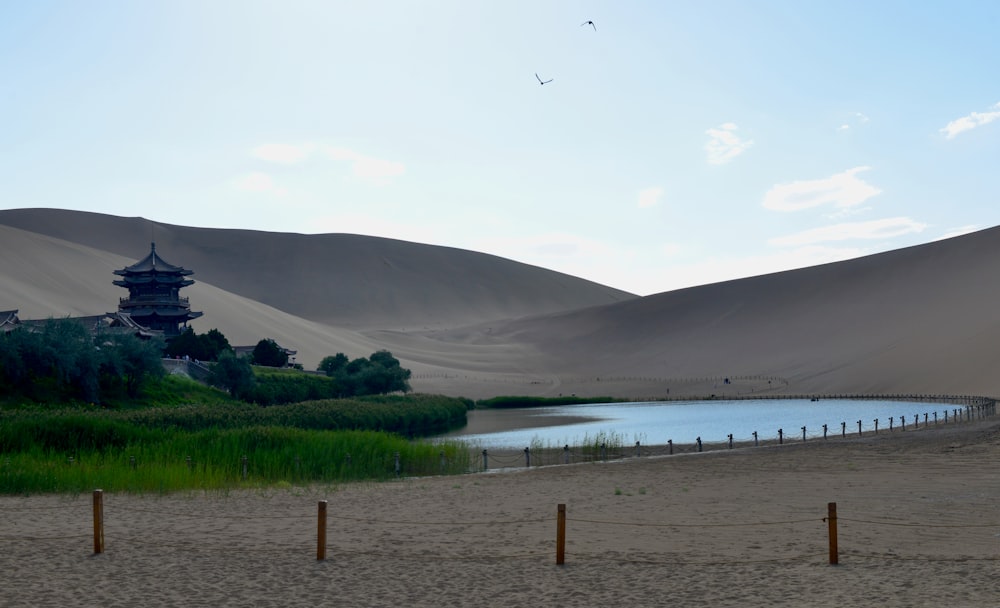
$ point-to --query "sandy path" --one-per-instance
(918, 527)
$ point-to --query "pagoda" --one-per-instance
(153, 294)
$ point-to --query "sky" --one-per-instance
(677, 144)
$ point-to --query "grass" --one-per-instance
(176, 445)
(214, 460)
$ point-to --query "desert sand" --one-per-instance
(917, 526)
(919, 320)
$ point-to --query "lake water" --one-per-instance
(684, 421)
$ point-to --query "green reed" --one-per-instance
(214, 459)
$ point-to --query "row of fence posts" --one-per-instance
(979, 411)
(957, 414)
(321, 526)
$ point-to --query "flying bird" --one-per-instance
(540, 81)
(590, 23)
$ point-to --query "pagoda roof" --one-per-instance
(153, 263)
(8, 320)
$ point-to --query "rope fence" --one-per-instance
(802, 537)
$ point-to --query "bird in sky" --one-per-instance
(590, 23)
(540, 81)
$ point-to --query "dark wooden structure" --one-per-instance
(154, 299)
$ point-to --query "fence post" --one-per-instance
(843, 430)
(638, 452)
(730, 441)
(859, 428)
(670, 443)
(561, 534)
(321, 532)
(781, 436)
(803, 433)
(755, 443)
(486, 462)
(527, 457)
(98, 521)
(831, 523)
(566, 454)
(824, 431)
(699, 444)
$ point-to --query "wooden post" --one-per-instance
(486, 461)
(566, 454)
(831, 523)
(803, 433)
(670, 443)
(561, 535)
(98, 521)
(527, 458)
(321, 532)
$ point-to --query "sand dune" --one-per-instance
(915, 320)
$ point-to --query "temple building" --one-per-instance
(154, 300)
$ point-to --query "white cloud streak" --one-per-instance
(362, 166)
(874, 229)
(650, 197)
(259, 182)
(973, 120)
(724, 144)
(841, 190)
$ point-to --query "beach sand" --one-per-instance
(917, 526)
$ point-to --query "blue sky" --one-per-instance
(679, 144)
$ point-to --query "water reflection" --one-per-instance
(683, 422)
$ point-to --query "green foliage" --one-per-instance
(514, 401)
(233, 374)
(63, 361)
(379, 374)
(329, 440)
(267, 352)
(200, 347)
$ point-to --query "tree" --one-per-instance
(332, 364)
(267, 352)
(202, 347)
(233, 374)
(132, 360)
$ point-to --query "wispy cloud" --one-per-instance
(362, 166)
(650, 197)
(283, 153)
(874, 229)
(856, 118)
(973, 120)
(259, 182)
(840, 190)
(724, 144)
(959, 231)
(366, 167)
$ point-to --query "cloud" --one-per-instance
(366, 167)
(856, 118)
(959, 231)
(259, 182)
(283, 153)
(873, 229)
(724, 145)
(362, 166)
(840, 190)
(973, 120)
(650, 197)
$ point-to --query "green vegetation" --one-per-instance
(200, 347)
(516, 401)
(379, 374)
(62, 360)
(267, 352)
(185, 447)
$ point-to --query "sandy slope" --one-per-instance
(917, 320)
